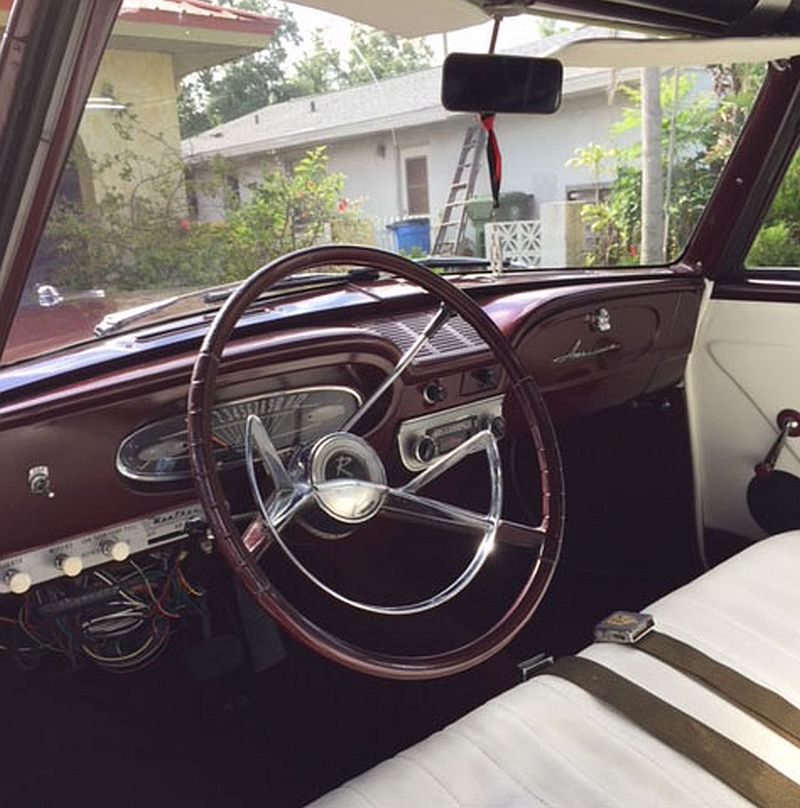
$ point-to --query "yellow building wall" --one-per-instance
(135, 151)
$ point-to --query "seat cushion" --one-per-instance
(547, 742)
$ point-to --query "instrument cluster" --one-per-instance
(158, 452)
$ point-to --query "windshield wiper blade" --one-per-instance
(214, 295)
(463, 262)
(312, 281)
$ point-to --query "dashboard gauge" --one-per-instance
(159, 451)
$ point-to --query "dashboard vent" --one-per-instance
(456, 337)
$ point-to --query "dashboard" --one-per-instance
(93, 449)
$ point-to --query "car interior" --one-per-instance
(367, 528)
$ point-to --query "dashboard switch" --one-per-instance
(70, 565)
(116, 550)
(17, 581)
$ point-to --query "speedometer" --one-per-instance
(159, 451)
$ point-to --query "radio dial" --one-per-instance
(425, 449)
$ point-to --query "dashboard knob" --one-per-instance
(18, 582)
(70, 565)
(498, 426)
(425, 449)
(434, 392)
(117, 550)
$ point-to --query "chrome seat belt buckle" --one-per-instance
(623, 628)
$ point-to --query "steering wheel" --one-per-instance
(311, 479)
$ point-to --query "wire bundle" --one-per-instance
(119, 617)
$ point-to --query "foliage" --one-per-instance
(378, 55)
(320, 70)
(699, 129)
(137, 235)
(215, 95)
(547, 26)
(776, 245)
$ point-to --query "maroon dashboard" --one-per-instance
(100, 424)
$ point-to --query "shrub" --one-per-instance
(137, 237)
(775, 246)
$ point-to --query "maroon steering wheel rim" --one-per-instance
(242, 561)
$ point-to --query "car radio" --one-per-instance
(421, 440)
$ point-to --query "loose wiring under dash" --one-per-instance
(119, 617)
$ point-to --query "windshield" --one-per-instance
(217, 139)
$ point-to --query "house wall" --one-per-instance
(536, 148)
(148, 135)
(535, 152)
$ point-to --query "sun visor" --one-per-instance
(627, 52)
(409, 18)
(686, 17)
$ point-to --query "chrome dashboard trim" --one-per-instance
(411, 430)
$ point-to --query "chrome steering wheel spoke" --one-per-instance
(258, 442)
(358, 500)
(442, 315)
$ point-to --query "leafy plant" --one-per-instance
(776, 245)
(698, 130)
(138, 236)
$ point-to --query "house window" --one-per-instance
(417, 186)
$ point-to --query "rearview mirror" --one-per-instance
(474, 82)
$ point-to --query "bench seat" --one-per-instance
(549, 743)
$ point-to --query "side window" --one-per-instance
(777, 244)
(417, 201)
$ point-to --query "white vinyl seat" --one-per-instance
(549, 743)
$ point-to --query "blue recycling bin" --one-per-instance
(411, 235)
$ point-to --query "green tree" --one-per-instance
(378, 55)
(547, 26)
(698, 130)
(320, 70)
(220, 94)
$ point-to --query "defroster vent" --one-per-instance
(455, 337)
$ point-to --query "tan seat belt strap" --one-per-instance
(768, 707)
(741, 770)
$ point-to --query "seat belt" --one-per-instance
(733, 765)
(764, 705)
(637, 630)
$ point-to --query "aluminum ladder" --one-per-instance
(450, 231)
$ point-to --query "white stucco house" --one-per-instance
(398, 147)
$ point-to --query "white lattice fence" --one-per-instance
(520, 242)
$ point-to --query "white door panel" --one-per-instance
(744, 369)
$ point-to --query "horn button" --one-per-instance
(347, 477)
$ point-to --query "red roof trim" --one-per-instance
(195, 14)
